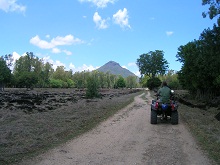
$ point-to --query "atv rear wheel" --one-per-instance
(174, 118)
(153, 119)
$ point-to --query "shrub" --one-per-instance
(153, 83)
(56, 83)
(92, 87)
(120, 83)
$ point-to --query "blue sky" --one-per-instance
(86, 34)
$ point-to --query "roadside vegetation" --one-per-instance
(25, 134)
(204, 127)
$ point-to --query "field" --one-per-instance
(34, 121)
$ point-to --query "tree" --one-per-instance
(27, 70)
(120, 83)
(153, 83)
(92, 86)
(152, 63)
(201, 66)
(5, 73)
(27, 79)
(45, 75)
(214, 9)
(59, 73)
(172, 79)
(131, 82)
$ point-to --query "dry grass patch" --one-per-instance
(24, 135)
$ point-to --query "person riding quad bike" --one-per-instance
(164, 95)
(164, 105)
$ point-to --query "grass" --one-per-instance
(205, 128)
(23, 136)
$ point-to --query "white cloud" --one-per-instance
(137, 73)
(67, 40)
(169, 33)
(121, 18)
(41, 43)
(56, 50)
(124, 67)
(100, 23)
(71, 66)
(99, 3)
(11, 6)
(86, 68)
(58, 41)
(57, 63)
(132, 64)
(15, 56)
(67, 52)
(54, 63)
(47, 36)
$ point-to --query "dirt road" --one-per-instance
(128, 138)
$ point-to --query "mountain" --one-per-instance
(116, 69)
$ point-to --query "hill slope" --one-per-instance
(116, 69)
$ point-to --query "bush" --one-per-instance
(92, 87)
(153, 83)
(120, 83)
(70, 83)
(56, 83)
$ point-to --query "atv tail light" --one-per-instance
(157, 105)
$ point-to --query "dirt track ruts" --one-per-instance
(128, 138)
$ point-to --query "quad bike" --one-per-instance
(164, 111)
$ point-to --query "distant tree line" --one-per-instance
(31, 72)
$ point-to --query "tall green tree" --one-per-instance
(201, 67)
(131, 82)
(26, 70)
(92, 86)
(120, 82)
(46, 73)
(214, 9)
(5, 72)
(152, 63)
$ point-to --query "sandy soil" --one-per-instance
(128, 138)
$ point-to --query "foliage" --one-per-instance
(201, 68)
(131, 82)
(26, 79)
(27, 70)
(214, 9)
(152, 64)
(56, 83)
(172, 79)
(70, 83)
(153, 83)
(92, 87)
(120, 82)
(143, 80)
(5, 72)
